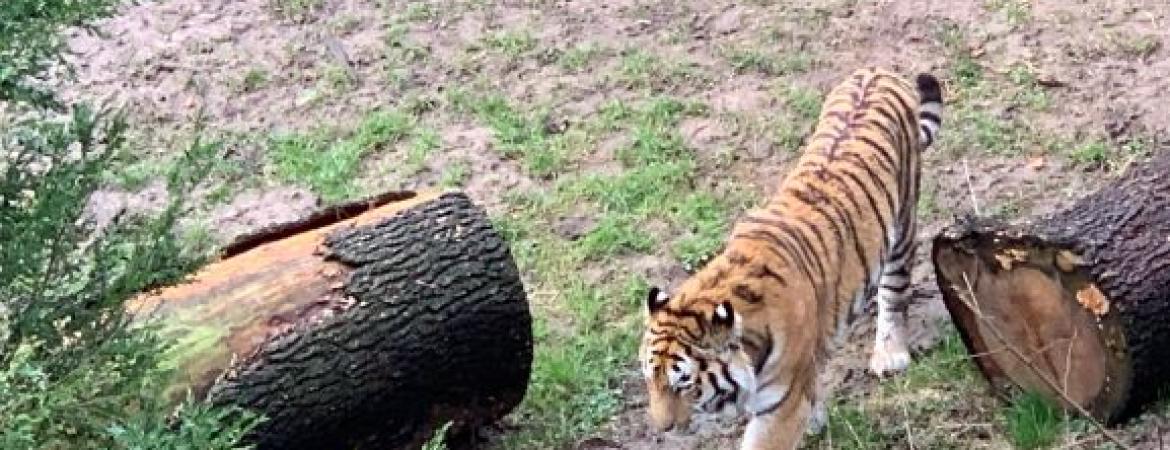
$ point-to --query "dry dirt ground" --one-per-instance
(1046, 99)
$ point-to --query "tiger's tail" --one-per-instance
(930, 109)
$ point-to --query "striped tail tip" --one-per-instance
(930, 108)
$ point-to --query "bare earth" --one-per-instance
(1101, 67)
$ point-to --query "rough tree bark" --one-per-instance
(1083, 295)
(367, 332)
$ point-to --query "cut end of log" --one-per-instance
(1033, 318)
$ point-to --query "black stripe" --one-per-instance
(763, 271)
(877, 184)
(747, 294)
(762, 357)
(899, 289)
(894, 123)
(775, 241)
(888, 161)
(770, 408)
(715, 384)
(929, 116)
(905, 112)
(869, 198)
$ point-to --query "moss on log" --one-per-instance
(364, 332)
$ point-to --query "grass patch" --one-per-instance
(639, 69)
(523, 135)
(579, 358)
(614, 235)
(454, 175)
(774, 64)
(1094, 152)
(805, 103)
(851, 428)
(1028, 93)
(706, 221)
(327, 162)
(1032, 422)
(512, 44)
(579, 57)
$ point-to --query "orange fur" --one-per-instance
(755, 326)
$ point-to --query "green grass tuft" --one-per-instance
(579, 57)
(512, 44)
(1032, 421)
(614, 235)
(767, 63)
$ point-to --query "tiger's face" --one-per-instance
(693, 361)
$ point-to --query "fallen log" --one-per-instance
(1074, 306)
(364, 326)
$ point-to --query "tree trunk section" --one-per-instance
(366, 326)
(1083, 295)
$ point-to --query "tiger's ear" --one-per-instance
(723, 316)
(656, 299)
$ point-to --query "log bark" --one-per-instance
(365, 332)
(1083, 295)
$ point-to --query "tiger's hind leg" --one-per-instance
(890, 351)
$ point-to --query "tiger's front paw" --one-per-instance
(889, 359)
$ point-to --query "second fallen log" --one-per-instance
(1074, 306)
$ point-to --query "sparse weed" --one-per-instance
(967, 73)
(512, 44)
(579, 57)
(928, 206)
(418, 12)
(454, 175)
(336, 78)
(296, 10)
(438, 439)
(1093, 152)
(1028, 93)
(851, 428)
(639, 69)
(1017, 12)
(804, 102)
(401, 49)
(425, 142)
(766, 63)
(1137, 46)
(254, 79)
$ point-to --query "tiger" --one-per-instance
(749, 333)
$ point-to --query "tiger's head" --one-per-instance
(693, 359)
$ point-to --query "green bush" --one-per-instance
(73, 373)
(30, 42)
